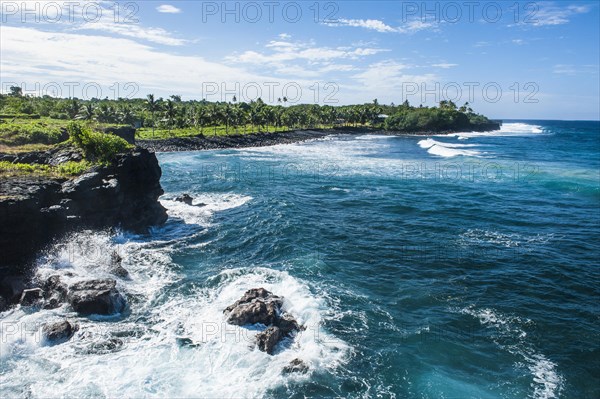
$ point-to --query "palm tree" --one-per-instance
(227, 116)
(86, 113)
(126, 115)
(170, 113)
(215, 116)
(104, 113)
(202, 117)
(152, 106)
(73, 108)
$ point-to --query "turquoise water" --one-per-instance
(463, 266)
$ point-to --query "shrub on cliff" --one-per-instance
(100, 147)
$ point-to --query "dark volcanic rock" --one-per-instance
(59, 332)
(256, 306)
(31, 296)
(185, 198)
(106, 346)
(36, 210)
(268, 339)
(288, 324)
(115, 266)
(261, 306)
(207, 142)
(296, 366)
(55, 292)
(257, 311)
(127, 133)
(250, 295)
(96, 297)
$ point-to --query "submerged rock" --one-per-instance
(186, 342)
(59, 332)
(185, 198)
(105, 346)
(96, 297)
(296, 366)
(188, 200)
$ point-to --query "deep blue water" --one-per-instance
(463, 266)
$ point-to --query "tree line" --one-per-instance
(257, 116)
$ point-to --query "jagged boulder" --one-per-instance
(185, 198)
(55, 292)
(268, 339)
(296, 366)
(59, 332)
(96, 297)
(31, 296)
(256, 306)
(288, 324)
(116, 267)
(259, 306)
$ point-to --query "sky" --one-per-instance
(509, 60)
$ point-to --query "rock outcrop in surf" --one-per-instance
(259, 306)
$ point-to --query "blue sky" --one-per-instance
(532, 60)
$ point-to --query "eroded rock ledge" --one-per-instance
(34, 211)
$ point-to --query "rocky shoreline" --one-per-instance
(208, 142)
(36, 210)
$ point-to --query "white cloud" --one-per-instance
(73, 20)
(572, 70)
(168, 9)
(444, 65)
(286, 51)
(518, 42)
(30, 55)
(549, 14)
(373, 24)
(155, 35)
(389, 76)
(416, 26)
(285, 36)
(379, 26)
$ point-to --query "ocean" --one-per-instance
(459, 266)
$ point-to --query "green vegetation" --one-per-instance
(444, 117)
(65, 170)
(97, 147)
(72, 168)
(29, 132)
(157, 118)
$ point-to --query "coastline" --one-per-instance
(207, 142)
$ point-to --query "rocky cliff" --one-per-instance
(34, 211)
